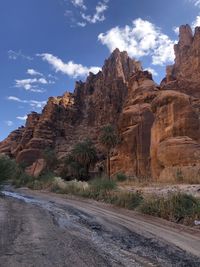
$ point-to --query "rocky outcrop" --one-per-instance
(36, 168)
(184, 76)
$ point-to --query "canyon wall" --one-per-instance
(158, 125)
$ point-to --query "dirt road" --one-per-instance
(41, 229)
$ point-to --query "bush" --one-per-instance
(102, 184)
(121, 177)
(8, 168)
(176, 207)
(44, 181)
(128, 200)
(71, 187)
(22, 179)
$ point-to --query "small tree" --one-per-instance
(108, 139)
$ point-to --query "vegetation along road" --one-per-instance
(39, 229)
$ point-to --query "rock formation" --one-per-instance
(70, 118)
(175, 134)
(159, 126)
(183, 76)
(135, 123)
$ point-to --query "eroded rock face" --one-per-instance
(184, 76)
(174, 134)
(36, 168)
(70, 118)
(135, 122)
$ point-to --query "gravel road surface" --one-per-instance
(39, 229)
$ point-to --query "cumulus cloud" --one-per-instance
(33, 72)
(32, 103)
(140, 39)
(70, 68)
(22, 118)
(98, 16)
(14, 55)
(31, 84)
(153, 72)
(176, 30)
(79, 3)
(9, 123)
(196, 22)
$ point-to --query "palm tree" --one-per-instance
(108, 139)
(85, 154)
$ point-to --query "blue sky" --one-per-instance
(46, 45)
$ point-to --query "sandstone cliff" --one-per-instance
(67, 119)
(159, 126)
(175, 134)
(135, 123)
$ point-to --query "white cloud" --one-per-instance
(153, 72)
(9, 123)
(196, 22)
(33, 72)
(70, 68)
(23, 118)
(14, 55)
(98, 15)
(52, 76)
(176, 30)
(195, 2)
(82, 18)
(140, 39)
(31, 84)
(81, 24)
(14, 98)
(32, 103)
(79, 3)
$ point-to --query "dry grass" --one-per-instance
(176, 207)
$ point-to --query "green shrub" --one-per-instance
(177, 207)
(22, 179)
(44, 181)
(100, 184)
(8, 168)
(121, 177)
(48, 176)
(128, 200)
